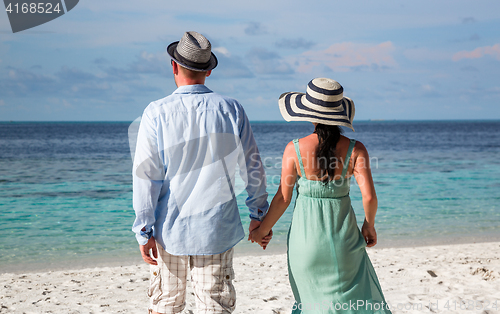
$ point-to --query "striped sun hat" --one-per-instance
(322, 103)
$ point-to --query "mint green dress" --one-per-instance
(328, 267)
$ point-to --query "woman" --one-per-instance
(328, 267)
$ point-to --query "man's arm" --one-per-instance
(148, 175)
(256, 179)
(255, 174)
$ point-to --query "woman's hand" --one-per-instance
(369, 233)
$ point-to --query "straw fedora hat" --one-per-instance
(323, 103)
(194, 52)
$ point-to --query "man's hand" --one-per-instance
(254, 224)
(151, 245)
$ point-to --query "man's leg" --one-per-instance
(212, 278)
(167, 286)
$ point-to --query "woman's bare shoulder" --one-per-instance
(307, 143)
(360, 152)
(289, 149)
(359, 147)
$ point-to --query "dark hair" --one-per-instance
(328, 136)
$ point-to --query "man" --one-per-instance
(189, 146)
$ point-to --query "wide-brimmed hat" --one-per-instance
(194, 52)
(323, 103)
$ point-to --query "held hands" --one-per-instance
(369, 233)
(260, 237)
(257, 236)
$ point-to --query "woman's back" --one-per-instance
(310, 185)
(308, 151)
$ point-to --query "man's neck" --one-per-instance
(180, 81)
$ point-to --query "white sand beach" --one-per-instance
(460, 278)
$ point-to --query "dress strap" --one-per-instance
(348, 158)
(297, 151)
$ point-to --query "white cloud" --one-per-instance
(478, 53)
(2, 103)
(222, 50)
(348, 56)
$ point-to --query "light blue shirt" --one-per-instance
(190, 146)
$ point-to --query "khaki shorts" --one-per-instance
(211, 277)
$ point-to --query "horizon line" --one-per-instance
(273, 121)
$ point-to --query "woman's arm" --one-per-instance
(363, 174)
(283, 197)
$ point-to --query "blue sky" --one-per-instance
(106, 60)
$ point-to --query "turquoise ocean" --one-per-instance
(66, 188)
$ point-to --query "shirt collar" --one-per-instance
(192, 89)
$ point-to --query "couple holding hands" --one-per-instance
(189, 147)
